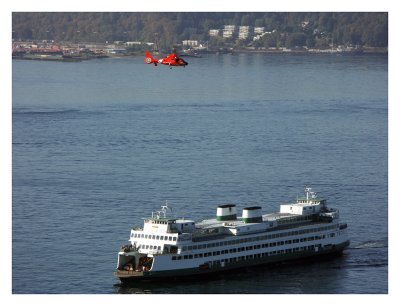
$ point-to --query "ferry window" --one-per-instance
(200, 255)
(184, 248)
(153, 237)
(158, 237)
(145, 236)
(195, 247)
(174, 238)
(179, 257)
(170, 238)
(205, 254)
(196, 255)
(173, 257)
(190, 247)
(185, 257)
(190, 256)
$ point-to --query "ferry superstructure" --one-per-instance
(168, 247)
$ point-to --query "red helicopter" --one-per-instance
(171, 60)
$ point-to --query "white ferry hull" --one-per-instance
(129, 276)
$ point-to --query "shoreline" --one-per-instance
(77, 57)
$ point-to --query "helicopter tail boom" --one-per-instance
(149, 59)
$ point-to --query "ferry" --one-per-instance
(173, 247)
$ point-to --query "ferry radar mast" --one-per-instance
(310, 193)
(163, 212)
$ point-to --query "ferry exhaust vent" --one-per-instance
(252, 214)
(226, 212)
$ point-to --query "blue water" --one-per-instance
(99, 144)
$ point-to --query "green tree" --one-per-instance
(296, 40)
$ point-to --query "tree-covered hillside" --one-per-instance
(284, 29)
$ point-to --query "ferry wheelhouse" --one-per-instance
(167, 246)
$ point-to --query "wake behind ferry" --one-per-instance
(172, 247)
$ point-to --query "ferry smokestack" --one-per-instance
(226, 212)
(252, 214)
